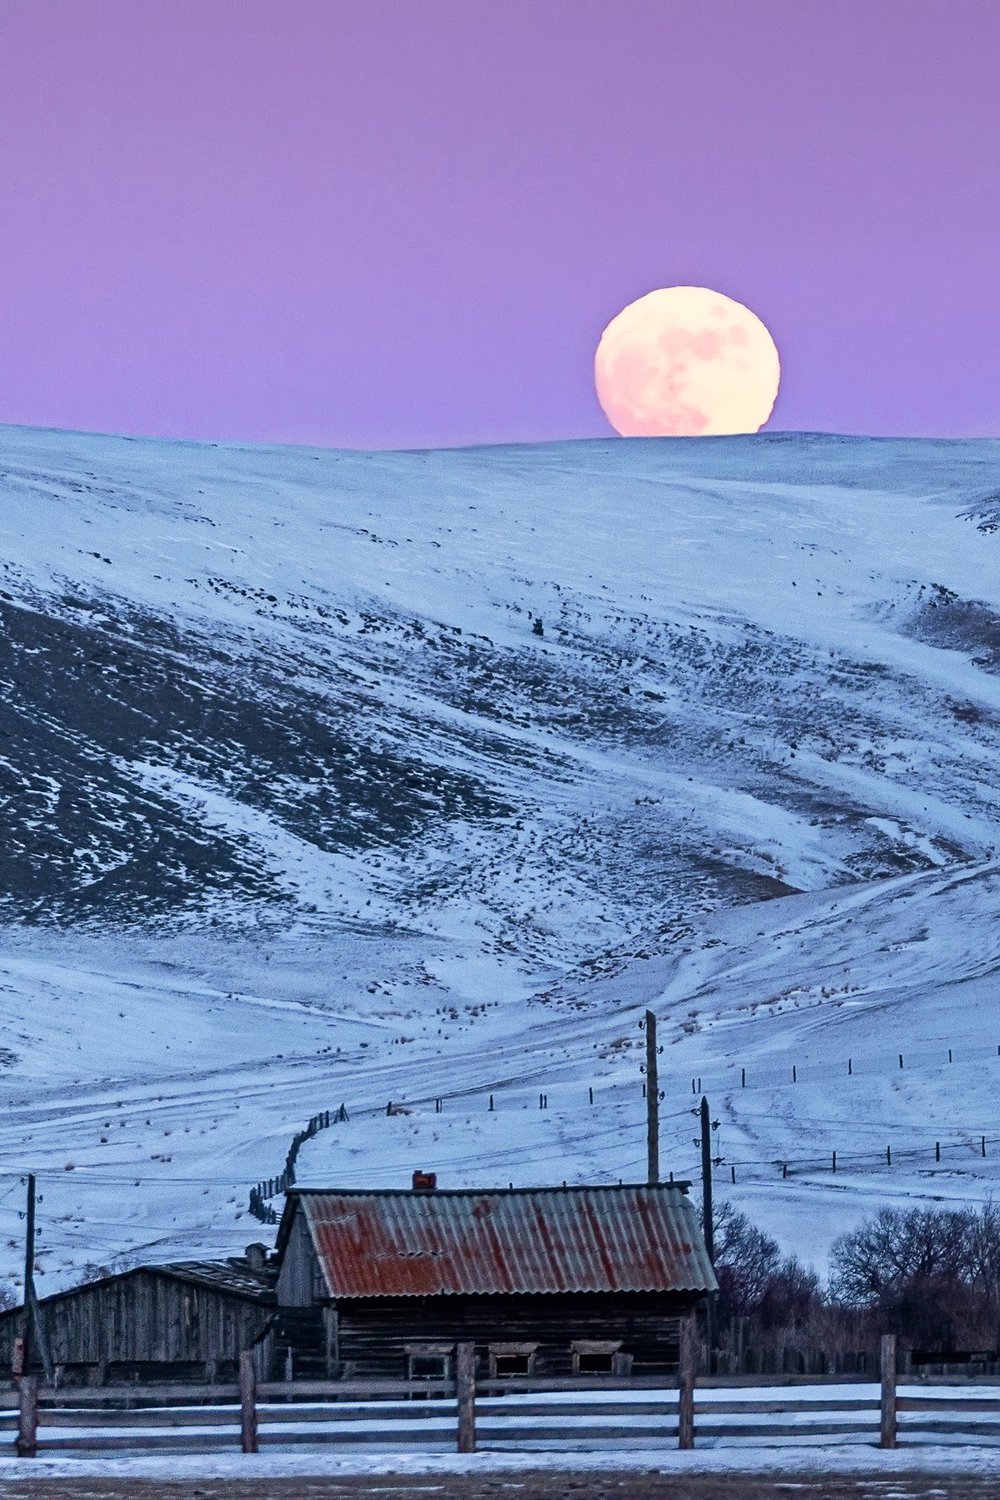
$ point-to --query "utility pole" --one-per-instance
(29, 1268)
(708, 1222)
(652, 1104)
(706, 1180)
(33, 1325)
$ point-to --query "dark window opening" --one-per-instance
(428, 1364)
(600, 1357)
(596, 1364)
(512, 1359)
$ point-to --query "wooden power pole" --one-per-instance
(34, 1328)
(652, 1104)
(29, 1268)
(706, 1180)
(708, 1222)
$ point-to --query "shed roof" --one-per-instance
(522, 1240)
(234, 1276)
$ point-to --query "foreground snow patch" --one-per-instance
(795, 1462)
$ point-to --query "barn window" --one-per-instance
(428, 1361)
(512, 1359)
(598, 1357)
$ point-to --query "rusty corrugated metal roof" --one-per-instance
(575, 1239)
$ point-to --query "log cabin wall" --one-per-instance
(374, 1337)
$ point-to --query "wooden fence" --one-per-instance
(514, 1414)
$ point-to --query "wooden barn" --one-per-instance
(187, 1321)
(544, 1281)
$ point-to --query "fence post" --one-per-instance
(887, 1426)
(685, 1381)
(248, 1402)
(465, 1389)
(27, 1418)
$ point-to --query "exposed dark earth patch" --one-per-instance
(959, 625)
(986, 512)
(640, 760)
(84, 707)
(144, 764)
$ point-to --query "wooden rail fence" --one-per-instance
(518, 1414)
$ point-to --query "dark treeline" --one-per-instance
(931, 1276)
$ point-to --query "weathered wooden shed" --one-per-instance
(544, 1281)
(185, 1321)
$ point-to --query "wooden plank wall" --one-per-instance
(299, 1275)
(144, 1319)
(373, 1335)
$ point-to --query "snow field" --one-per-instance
(766, 670)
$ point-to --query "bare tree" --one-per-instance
(931, 1275)
(895, 1248)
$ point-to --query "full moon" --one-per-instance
(686, 362)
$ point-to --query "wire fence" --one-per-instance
(798, 1071)
(939, 1155)
(936, 1154)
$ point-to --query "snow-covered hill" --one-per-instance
(366, 777)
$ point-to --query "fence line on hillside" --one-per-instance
(271, 1187)
(734, 1080)
(927, 1160)
(736, 1077)
(834, 1162)
(938, 1155)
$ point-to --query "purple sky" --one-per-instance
(406, 222)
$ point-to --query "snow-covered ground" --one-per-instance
(798, 1465)
(303, 807)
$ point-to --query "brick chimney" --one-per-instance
(424, 1182)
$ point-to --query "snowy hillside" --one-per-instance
(393, 777)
